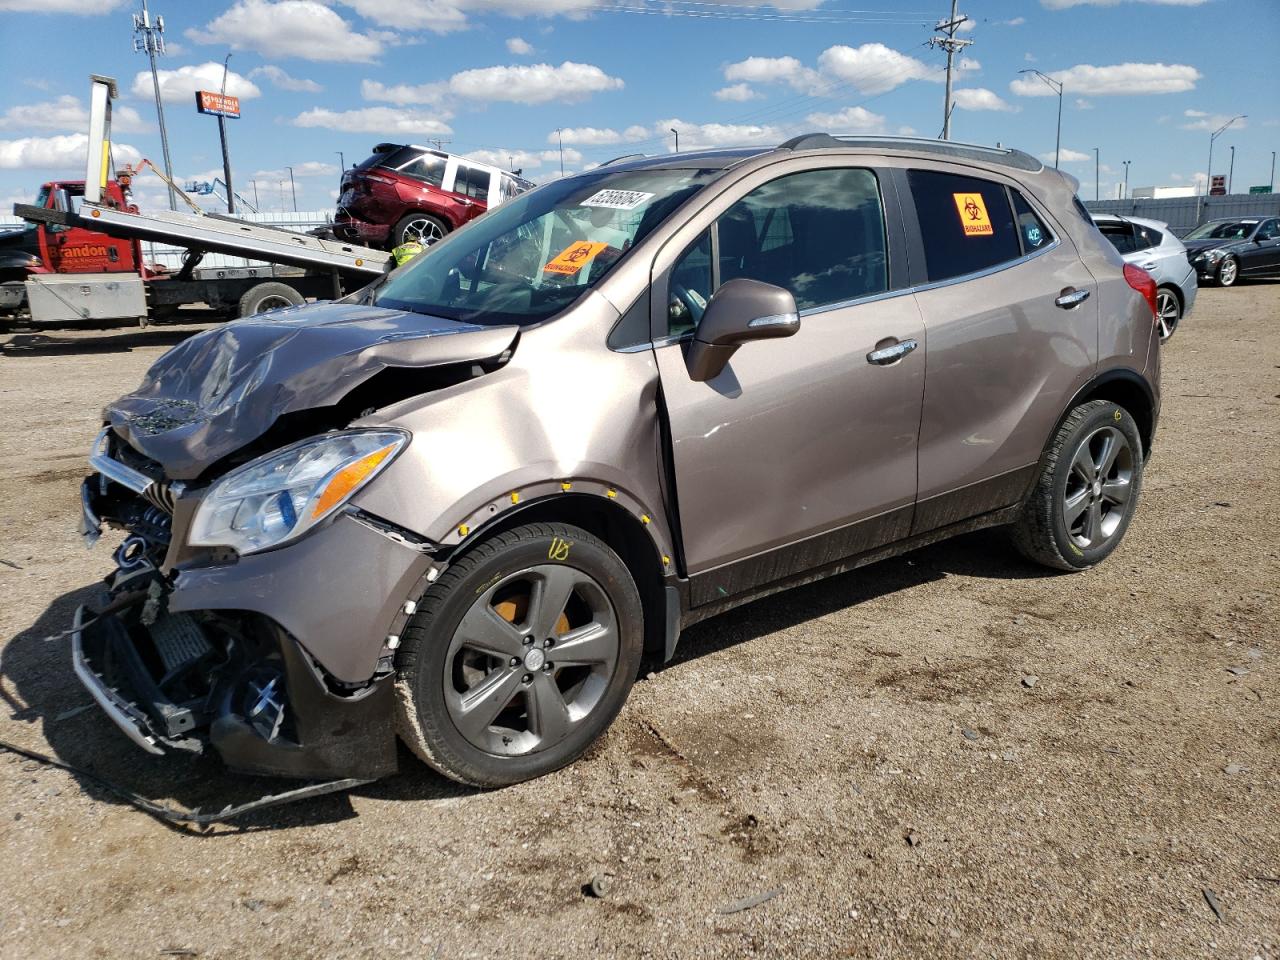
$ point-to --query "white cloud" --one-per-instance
(1029, 57)
(519, 46)
(57, 153)
(443, 16)
(68, 113)
(1121, 78)
(1066, 4)
(1083, 104)
(403, 94)
(968, 65)
(526, 159)
(1068, 156)
(847, 121)
(284, 81)
(537, 83)
(1013, 22)
(737, 93)
(182, 83)
(980, 98)
(594, 136)
(305, 29)
(967, 26)
(703, 136)
(1199, 120)
(874, 68)
(81, 8)
(384, 121)
(787, 70)
(311, 168)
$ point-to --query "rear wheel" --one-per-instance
(419, 228)
(1168, 312)
(268, 296)
(1087, 491)
(519, 656)
(1228, 272)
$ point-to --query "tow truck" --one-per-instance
(81, 259)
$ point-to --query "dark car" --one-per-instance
(1234, 248)
(406, 193)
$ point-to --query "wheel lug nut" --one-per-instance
(528, 678)
(547, 644)
(548, 667)
(528, 641)
(515, 661)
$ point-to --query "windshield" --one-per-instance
(539, 252)
(1222, 230)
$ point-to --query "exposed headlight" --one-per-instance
(280, 496)
(1215, 254)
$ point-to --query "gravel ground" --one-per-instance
(951, 754)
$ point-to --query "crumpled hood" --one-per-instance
(225, 387)
(1200, 246)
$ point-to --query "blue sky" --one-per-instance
(1146, 80)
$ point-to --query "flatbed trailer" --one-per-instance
(124, 288)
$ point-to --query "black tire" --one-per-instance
(1227, 276)
(270, 295)
(422, 227)
(1042, 532)
(428, 674)
(1168, 312)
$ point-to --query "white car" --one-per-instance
(1151, 245)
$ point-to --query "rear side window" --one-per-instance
(966, 224)
(1120, 235)
(1035, 235)
(1148, 238)
(472, 182)
(428, 168)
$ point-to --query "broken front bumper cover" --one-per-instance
(290, 725)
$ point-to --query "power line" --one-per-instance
(949, 43)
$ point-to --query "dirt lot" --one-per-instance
(874, 747)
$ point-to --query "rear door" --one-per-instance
(801, 452)
(1012, 320)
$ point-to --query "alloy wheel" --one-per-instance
(1099, 488)
(531, 659)
(1168, 313)
(1227, 272)
(423, 231)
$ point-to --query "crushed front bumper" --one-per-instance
(354, 230)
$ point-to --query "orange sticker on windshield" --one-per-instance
(973, 214)
(574, 257)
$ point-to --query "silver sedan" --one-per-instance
(1151, 245)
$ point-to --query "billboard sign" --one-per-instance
(217, 104)
(1264, 188)
(1218, 185)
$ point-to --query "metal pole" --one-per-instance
(560, 138)
(152, 41)
(293, 188)
(1126, 178)
(280, 184)
(1272, 180)
(1231, 168)
(1097, 172)
(1057, 147)
(342, 161)
(256, 202)
(222, 135)
(1208, 174)
(677, 133)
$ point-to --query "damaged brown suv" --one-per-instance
(462, 504)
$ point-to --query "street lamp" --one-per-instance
(1055, 85)
(1231, 170)
(222, 136)
(1208, 174)
(560, 140)
(1097, 170)
(342, 161)
(677, 133)
(293, 188)
(1126, 177)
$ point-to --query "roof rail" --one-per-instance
(625, 156)
(949, 148)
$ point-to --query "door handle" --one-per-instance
(891, 354)
(1070, 297)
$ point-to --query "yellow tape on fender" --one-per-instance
(973, 214)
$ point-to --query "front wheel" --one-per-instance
(519, 656)
(1087, 490)
(1168, 312)
(419, 228)
(1228, 272)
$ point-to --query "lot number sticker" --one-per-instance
(574, 257)
(973, 214)
(616, 199)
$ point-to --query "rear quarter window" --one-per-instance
(966, 224)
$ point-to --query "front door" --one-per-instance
(802, 452)
(1262, 257)
(77, 250)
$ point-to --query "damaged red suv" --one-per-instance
(408, 193)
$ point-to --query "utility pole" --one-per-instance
(560, 139)
(677, 133)
(293, 189)
(1231, 170)
(1097, 171)
(342, 161)
(222, 135)
(1056, 86)
(1272, 179)
(149, 36)
(280, 184)
(1208, 174)
(1126, 178)
(949, 43)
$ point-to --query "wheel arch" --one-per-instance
(1177, 292)
(1128, 389)
(625, 534)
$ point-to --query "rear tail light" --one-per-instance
(1144, 283)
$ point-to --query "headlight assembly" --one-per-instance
(278, 497)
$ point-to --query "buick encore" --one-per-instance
(460, 505)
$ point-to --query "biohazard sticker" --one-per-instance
(574, 257)
(616, 199)
(973, 214)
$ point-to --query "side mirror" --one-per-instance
(740, 311)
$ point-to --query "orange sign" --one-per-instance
(574, 257)
(973, 214)
(217, 104)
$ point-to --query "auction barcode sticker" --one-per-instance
(616, 199)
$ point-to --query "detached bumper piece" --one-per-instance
(236, 683)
